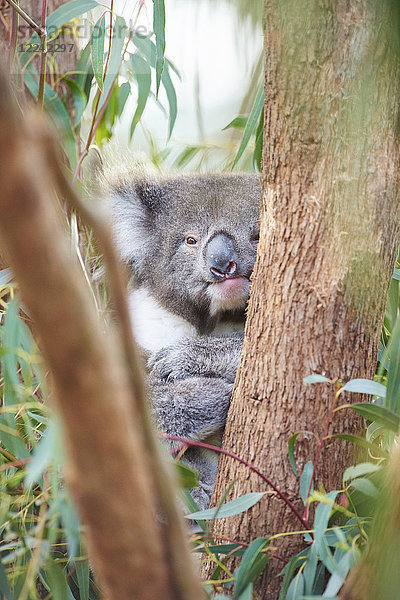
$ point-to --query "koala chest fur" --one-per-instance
(191, 244)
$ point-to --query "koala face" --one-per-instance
(191, 241)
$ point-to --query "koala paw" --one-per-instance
(168, 364)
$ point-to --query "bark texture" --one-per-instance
(113, 468)
(329, 234)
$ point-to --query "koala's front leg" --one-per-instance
(203, 356)
(194, 408)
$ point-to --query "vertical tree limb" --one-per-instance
(111, 467)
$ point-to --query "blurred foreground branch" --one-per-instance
(113, 465)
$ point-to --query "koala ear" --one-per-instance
(134, 205)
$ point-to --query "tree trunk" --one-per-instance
(329, 233)
(112, 462)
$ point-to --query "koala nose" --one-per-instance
(221, 257)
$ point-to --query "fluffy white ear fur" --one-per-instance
(131, 218)
(130, 224)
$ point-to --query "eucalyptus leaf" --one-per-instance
(97, 49)
(5, 277)
(305, 480)
(315, 378)
(292, 461)
(382, 415)
(159, 32)
(359, 470)
(251, 124)
(234, 507)
(251, 566)
(365, 486)
(142, 73)
(57, 580)
(365, 386)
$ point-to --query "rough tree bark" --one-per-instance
(113, 465)
(329, 234)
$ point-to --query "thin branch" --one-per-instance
(319, 449)
(43, 53)
(26, 17)
(14, 37)
(247, 464)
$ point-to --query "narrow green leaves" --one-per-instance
(230, 508)
(142, 73)
(382, 415)
(365, 386)
(116, 58)
(159, 32)
(251, 124)
(316, 378)
(252, 564)
(97, 49)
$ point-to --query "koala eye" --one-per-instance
(191, 240)
(255, 238)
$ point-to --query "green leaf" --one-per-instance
(66, 12)
(393, 381)
(380, 414)
(365, 386)
(361, 442)
(229, 509)
(337, 578)
(305, 480)
(188, 477)
(5, 277)
(62, 15)
(321, 519)
(116, 58)
(365, 486)
(42, 457)
(58, 114)
(294, 563)
(186, 156)
(57, 580)
(231, 549)
(171, 97)
(315, 378)
(258, 147)
(79, 96)
(396, 274)
(193, 507)
(296, 588)
(159, 32)
(123, 94)
(237, 123)
(251, 566)
(97, 49)
(292, 461)
(142, 73)
(4, 585)
(82, 573)
(360, 470)
(84, 69)
(251, 124)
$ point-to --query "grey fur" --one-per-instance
(188, 306)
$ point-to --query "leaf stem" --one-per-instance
(43, 53)
(319, 449)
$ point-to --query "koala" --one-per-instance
(190, 242)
